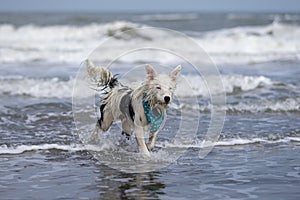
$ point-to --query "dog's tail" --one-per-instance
(100, 76)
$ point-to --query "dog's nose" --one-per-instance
(167, 99)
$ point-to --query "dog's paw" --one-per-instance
(145, 153)
(149, 146)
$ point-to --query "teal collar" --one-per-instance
(154, 116)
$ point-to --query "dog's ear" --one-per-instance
(151, 73)
(174, 74)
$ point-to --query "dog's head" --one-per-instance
(162, 86)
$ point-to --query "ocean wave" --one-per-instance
(259, 106)
(54, 44)
(188, 86)
(230, 142)
(232, 83)
(72, 44)
(43, 88)
(276, 41)
(285, 105)
(19, 149)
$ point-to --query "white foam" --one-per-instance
(64, 43)
(72, 44)
(196, 86)
(12, 150)
(284, 105)
(230, 142)
(245, 83)
(37, 87)
(4, 149)
(253, 44)
(240, 141)
(188, 86)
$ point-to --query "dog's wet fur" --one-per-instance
(123, 103)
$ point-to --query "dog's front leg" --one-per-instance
(140, 139)
(152, 139)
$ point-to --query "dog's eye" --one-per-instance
(158, 87)
(170, 88)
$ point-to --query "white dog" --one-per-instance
(139, 110)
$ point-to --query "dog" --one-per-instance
(141, 109)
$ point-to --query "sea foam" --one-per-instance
(55, 87)
(72, 44)
(19, 149)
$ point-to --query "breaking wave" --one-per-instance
(43, 88)
(54, 87)
(188, 86)
(58, 43)
(285, 105)
(231, 84)
(260, 106)
(234, 142)
(4, 149)
(72, 44)
(253, 44)
(19, 149)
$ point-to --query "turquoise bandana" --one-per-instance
(154, 116)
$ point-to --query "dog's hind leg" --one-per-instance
(126, 128)
(152, 139)
(106, 120)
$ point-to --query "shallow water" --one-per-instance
(235, 172)
(256, 156)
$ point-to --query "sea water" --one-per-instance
(256, 155)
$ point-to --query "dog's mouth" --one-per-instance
(163, 103)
